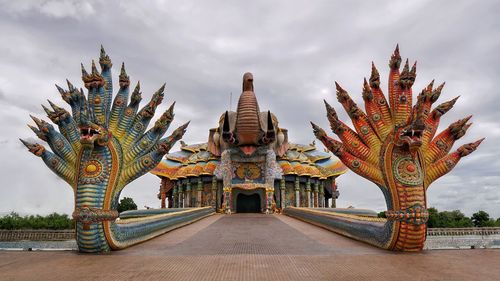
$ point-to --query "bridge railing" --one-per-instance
(69, 234)
(37, 235)
(463, 231)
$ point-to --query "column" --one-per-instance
(308, 193)
(321, 195)
(181, 196)
(283, 193)
(170, 201)
(269, 199)
(335, 194)
(226, 204)
(213, 202)
(188, 194)
(316, 194)
(297, 192)
(199, 189)
(174, 194)
(163, 194)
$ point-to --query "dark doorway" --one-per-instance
(248, 203)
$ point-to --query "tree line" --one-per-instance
(457, 219)
(53, 221)
(444, 219)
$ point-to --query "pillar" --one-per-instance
(316, 194)
(269, 199)
(321, 195)
(163, 193)
(188, 194)
(226, 204)
(174, 195)
(181, 196)
(283, 193)
(308, 193)
(213, 202)
(199, 190)
(335, 194)
(297, 192)
(170, 201)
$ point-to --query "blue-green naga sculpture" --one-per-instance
(100, 148)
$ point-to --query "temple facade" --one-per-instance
(248, 165)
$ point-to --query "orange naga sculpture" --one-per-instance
(394, 146)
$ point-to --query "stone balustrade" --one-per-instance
(437, 238)
(463, 238)
(37, 235)
(463, 231)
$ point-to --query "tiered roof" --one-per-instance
(300, 160)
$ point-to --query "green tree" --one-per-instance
(433, 218)
(126, 203)
(482, 219)
(52, 221)
(381, 215)
(447, 219)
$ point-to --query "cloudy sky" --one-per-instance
(296, 49)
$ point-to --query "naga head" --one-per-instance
(165, 119)
(334, 146)
(93, 134)
(93, 130)
(58, 115)
(34, 148)
(409, 136)
(149, 110)
(166, 145)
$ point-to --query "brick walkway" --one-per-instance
(251, 247)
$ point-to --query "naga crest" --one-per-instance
(99, 123)
(396, 123)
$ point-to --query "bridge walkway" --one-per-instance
(252, 247)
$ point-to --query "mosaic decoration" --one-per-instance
(273, 169)
(407, 171)
(394, 145)
(101, 147)
(248, 171)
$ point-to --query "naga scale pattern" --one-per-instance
(101, 147)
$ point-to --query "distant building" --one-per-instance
(248, 165)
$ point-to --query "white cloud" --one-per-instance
(52, 8)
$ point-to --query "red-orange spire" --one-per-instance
(248, 128)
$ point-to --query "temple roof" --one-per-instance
(302, 160)
(246, 130)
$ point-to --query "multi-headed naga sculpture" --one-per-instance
(394, 146)
(100, 148)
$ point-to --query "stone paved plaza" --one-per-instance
(251, 247)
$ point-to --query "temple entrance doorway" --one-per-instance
(248, 203)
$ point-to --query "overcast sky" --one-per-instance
(295, 49)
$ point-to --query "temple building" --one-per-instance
(248, 165)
